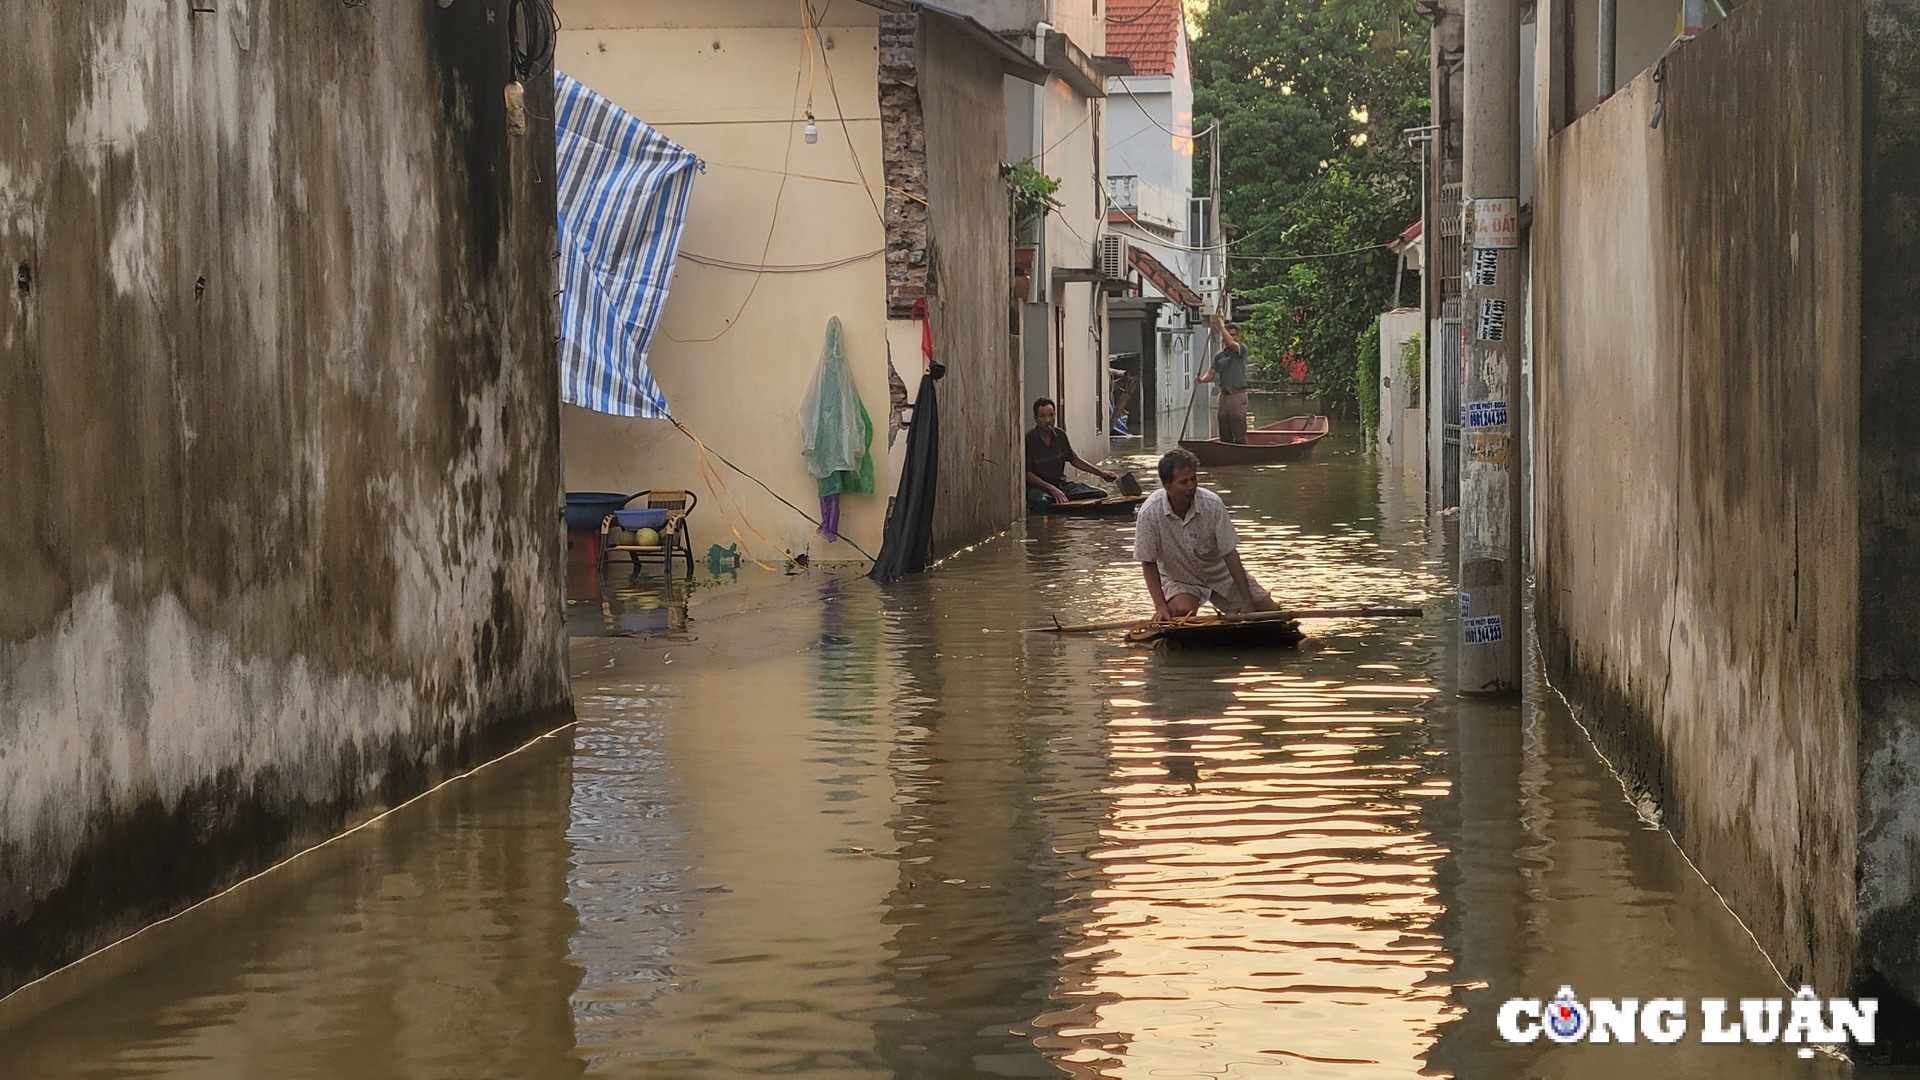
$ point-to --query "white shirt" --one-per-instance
(1191, 550)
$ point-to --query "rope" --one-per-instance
(718, 484)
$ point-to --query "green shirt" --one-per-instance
(1230, 368)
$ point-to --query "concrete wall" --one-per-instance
(278, 440)
(1889, 521)
(981, 414)
(735, 351)
(1698, 362)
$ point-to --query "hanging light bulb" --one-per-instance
(812, 131)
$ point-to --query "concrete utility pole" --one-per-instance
(1490, 468)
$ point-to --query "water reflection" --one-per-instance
(880, 833)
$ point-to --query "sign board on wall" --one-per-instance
(1493, 223)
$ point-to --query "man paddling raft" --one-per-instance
(1188, 551)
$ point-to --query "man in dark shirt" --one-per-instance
(1048, 455)
(1230, 368)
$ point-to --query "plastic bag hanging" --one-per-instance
(836, 432)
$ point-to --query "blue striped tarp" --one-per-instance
(623, 202)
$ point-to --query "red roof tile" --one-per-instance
(1165, 280)
(1145, 32)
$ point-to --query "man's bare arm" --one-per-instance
(1239, 571)
(1035, 481)
(1151, 571)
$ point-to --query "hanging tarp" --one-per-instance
(623, 193)
(907, 545)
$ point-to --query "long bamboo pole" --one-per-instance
(1367, 612)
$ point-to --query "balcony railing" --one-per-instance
(1149, 203)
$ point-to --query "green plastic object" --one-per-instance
(836, 432)
(721, 559)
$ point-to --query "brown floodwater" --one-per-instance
(818, 827)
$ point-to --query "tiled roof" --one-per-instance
(1145, 32)
(1165, 280)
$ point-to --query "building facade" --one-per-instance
(851, 170)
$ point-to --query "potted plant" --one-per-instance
(1030, 197)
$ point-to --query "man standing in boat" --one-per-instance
(1230, 369)
(1048, 455)
(1188, 551)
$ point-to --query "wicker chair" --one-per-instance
(675, 539)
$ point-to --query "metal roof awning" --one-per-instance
(1012, 61)
(1168, 282)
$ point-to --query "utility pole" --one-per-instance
(1490, 467)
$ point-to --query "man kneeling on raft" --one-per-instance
(1187, 548)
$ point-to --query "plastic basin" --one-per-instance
(640, 519)
(586, 509)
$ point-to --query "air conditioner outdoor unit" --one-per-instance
(1209, 284)
(1171, 318)
(1113, 256)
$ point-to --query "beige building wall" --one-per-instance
(1070, 139)
(735, 351)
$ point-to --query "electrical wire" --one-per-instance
(1190, 136)
(840, 113)
(780, 268)
(532, 29)
(807, 31)
(1304, 258)
(773, 222)
(718, 484)
(1042, 156)
(1112, 205)
(1151, 8)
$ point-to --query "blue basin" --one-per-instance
(586, 509)
(640, 519)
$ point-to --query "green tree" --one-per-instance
(1312, 96)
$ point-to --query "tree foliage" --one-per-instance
(1312, 97)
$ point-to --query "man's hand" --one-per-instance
(1057, 495)
(1161, 614)
(1109, 477)
(1205, 376)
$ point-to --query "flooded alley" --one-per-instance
(814, 826)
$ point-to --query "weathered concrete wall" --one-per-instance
(278, 440)
(1697, 474)
(981, 467)
(1889, 519)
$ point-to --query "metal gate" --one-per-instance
(1452, 374)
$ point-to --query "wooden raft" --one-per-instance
(1112, 504)
(1214, 631)
(1262, 628)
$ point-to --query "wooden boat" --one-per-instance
(1214, 632)
(1112, 504)
(1282, 440)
